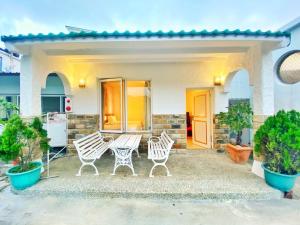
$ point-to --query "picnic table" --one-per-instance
(123, 147)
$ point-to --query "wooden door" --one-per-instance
(202, 119)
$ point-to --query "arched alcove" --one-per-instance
(237, 86)
(53, 95)
(64, 80)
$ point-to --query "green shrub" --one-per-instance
(238, 117)
(19, 139)
(278, 141)
(8, 109)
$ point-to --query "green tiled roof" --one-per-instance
(138, 34)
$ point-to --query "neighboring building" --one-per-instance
(9, 77)
(9, 62)
(147, 82)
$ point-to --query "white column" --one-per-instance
(262, 80)
(263, 87)
(30, 88)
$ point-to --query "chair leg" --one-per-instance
(168, 172)
(96, 173)
(137, 152)
(151, 171)
(79, 171)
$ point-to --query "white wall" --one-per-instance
(240, 87)
(169, 83)
(287, 96)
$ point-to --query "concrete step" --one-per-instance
(147, 189)
(154, 196)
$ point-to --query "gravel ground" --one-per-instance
(25, 210)
(196, 175)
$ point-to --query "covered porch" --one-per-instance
(162, 66)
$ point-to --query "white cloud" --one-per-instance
(26, 25)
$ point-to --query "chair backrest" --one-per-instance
(88, 143)
(166, 141)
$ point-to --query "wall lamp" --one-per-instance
(82, 83)
(218, 80)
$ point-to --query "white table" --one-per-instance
(123, 147)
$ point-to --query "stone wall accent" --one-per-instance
(220, 135)
(174, 125)
(80, 126)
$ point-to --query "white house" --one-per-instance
(147, 82)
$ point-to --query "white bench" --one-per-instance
(91, 148)
(159, 150)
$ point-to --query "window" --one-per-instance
(288, 67)
(125, 105)
(53, 103)
(138, 105)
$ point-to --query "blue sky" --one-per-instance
(34, 16)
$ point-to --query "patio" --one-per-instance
(197, 175)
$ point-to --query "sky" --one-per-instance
(44, 16)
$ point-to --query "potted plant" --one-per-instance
(238, 117)
(20, 141)
(7, 109)
(278, 142)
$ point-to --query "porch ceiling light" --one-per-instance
(82, 83)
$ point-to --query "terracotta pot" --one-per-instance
(238, 154)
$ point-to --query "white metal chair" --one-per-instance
(91, 148)
(159, 150)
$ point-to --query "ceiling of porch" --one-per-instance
(144, 50)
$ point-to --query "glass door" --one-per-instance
(111, 105)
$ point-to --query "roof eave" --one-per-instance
(144, 35)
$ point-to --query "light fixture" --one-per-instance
(82, 83)
(218, 80)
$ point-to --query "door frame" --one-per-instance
(211, 97)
